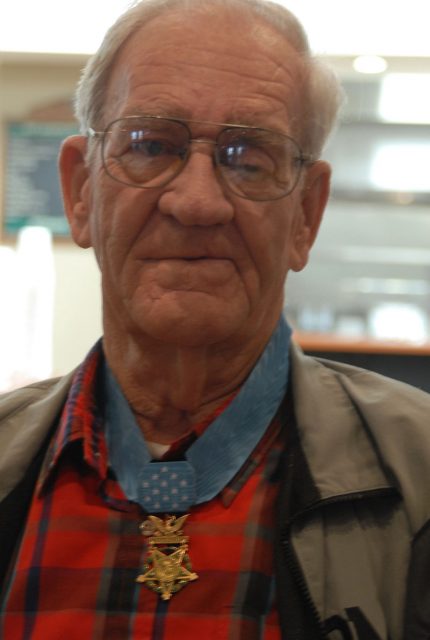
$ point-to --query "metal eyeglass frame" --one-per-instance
(302, 158)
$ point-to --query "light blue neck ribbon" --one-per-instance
(216, 456)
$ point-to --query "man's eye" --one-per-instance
(142, 144)
(247, 158)
(152, 148)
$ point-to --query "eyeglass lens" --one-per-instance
(149, 152)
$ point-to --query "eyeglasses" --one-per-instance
(147, 152)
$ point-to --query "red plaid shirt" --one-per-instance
(75, 575)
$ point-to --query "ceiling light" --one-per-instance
(370, 64)
(405, 98)
(401, 167)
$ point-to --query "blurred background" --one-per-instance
(365, 297)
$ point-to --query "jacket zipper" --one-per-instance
(296, 571)
(291, 558)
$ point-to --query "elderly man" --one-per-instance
(197, 476)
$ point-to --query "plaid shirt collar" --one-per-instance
(81, 420)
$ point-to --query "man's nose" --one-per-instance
(197, 196)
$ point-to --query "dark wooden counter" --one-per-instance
(408, 362)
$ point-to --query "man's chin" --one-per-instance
(194, 328)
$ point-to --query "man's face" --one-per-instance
(191, 263)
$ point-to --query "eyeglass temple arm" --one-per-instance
(92, 133)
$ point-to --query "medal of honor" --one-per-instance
(167, 567)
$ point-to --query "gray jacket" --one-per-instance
(353, 546)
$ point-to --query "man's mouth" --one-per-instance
(191, 259)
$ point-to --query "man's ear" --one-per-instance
(314, 196)
(75, 186)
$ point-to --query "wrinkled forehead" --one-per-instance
(226, 58)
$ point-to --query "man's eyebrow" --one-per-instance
(261, 119)
(158, 110)
(178, 111)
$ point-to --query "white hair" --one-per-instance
(320, 97)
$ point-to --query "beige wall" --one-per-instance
(77, 317)
(28, 84)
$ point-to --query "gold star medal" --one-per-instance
(167, 567)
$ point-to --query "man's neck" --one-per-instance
(171, 388)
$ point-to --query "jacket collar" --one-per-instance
(338, 450)
(27, 416)
(362, 432)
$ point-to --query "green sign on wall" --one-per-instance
(32, 188)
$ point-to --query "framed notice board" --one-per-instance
(32, 188)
